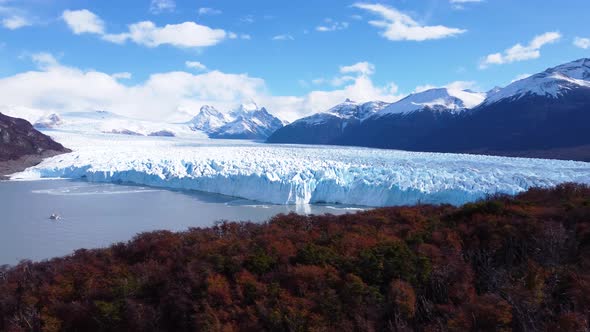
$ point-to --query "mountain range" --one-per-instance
(545, 115)
(246, 122)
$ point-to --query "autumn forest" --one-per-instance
(505, 263)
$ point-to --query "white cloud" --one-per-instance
(83, 21)
(13, 18)
(146, 33)
(519, 52)
(331, 25)
(15, 22)
(398, 26)
(122, 76)
(456, 85)
(44, 60)
(283, 37)
(209, 11)
(582, 42)
(363, 68)
(160, 6)
(183, 35)
(166, 96)
(360, 89)
(195, 65)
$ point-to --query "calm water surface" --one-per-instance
(97, 215)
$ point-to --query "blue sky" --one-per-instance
(294, 56)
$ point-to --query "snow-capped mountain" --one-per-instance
(208, 120)
(374, 123)
(410, 121)
(248, 121)
(440, 100)
(552, 83)
(348, 110)
(327, 127)
(98, 122)
(544, 115)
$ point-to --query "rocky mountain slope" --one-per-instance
(21, 145)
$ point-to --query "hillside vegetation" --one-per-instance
(507, 263)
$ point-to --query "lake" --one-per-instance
(97, 214)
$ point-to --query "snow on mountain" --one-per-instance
(208, 120)
(32, 115)
(552, 83)
(439, 99)
(248, 121)
(301, 174)
(96, 122)
(347, 110)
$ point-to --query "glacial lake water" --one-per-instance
(96, 215)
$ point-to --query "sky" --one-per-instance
(164, 59)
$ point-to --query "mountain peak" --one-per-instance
(248, 107)
(438, 99)
(209, 118)
(209, 110)
(552, 83)
(579, 69)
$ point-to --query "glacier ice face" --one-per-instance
(292, 174)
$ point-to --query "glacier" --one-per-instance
(297, 174)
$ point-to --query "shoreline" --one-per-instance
(18, 165)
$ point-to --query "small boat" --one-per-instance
(54, 216)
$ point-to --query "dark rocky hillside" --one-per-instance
(21, 145)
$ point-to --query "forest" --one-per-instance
(505, 263)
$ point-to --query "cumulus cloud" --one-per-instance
(350, 74)
(583, 43)
(363, 68)
(61, 88)
(195, 65)
(160, 6)
(147, 33)
(183, 35)
(360, 89)
(399, 26)
(519, 52)
(83, 21)
(170, 95)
